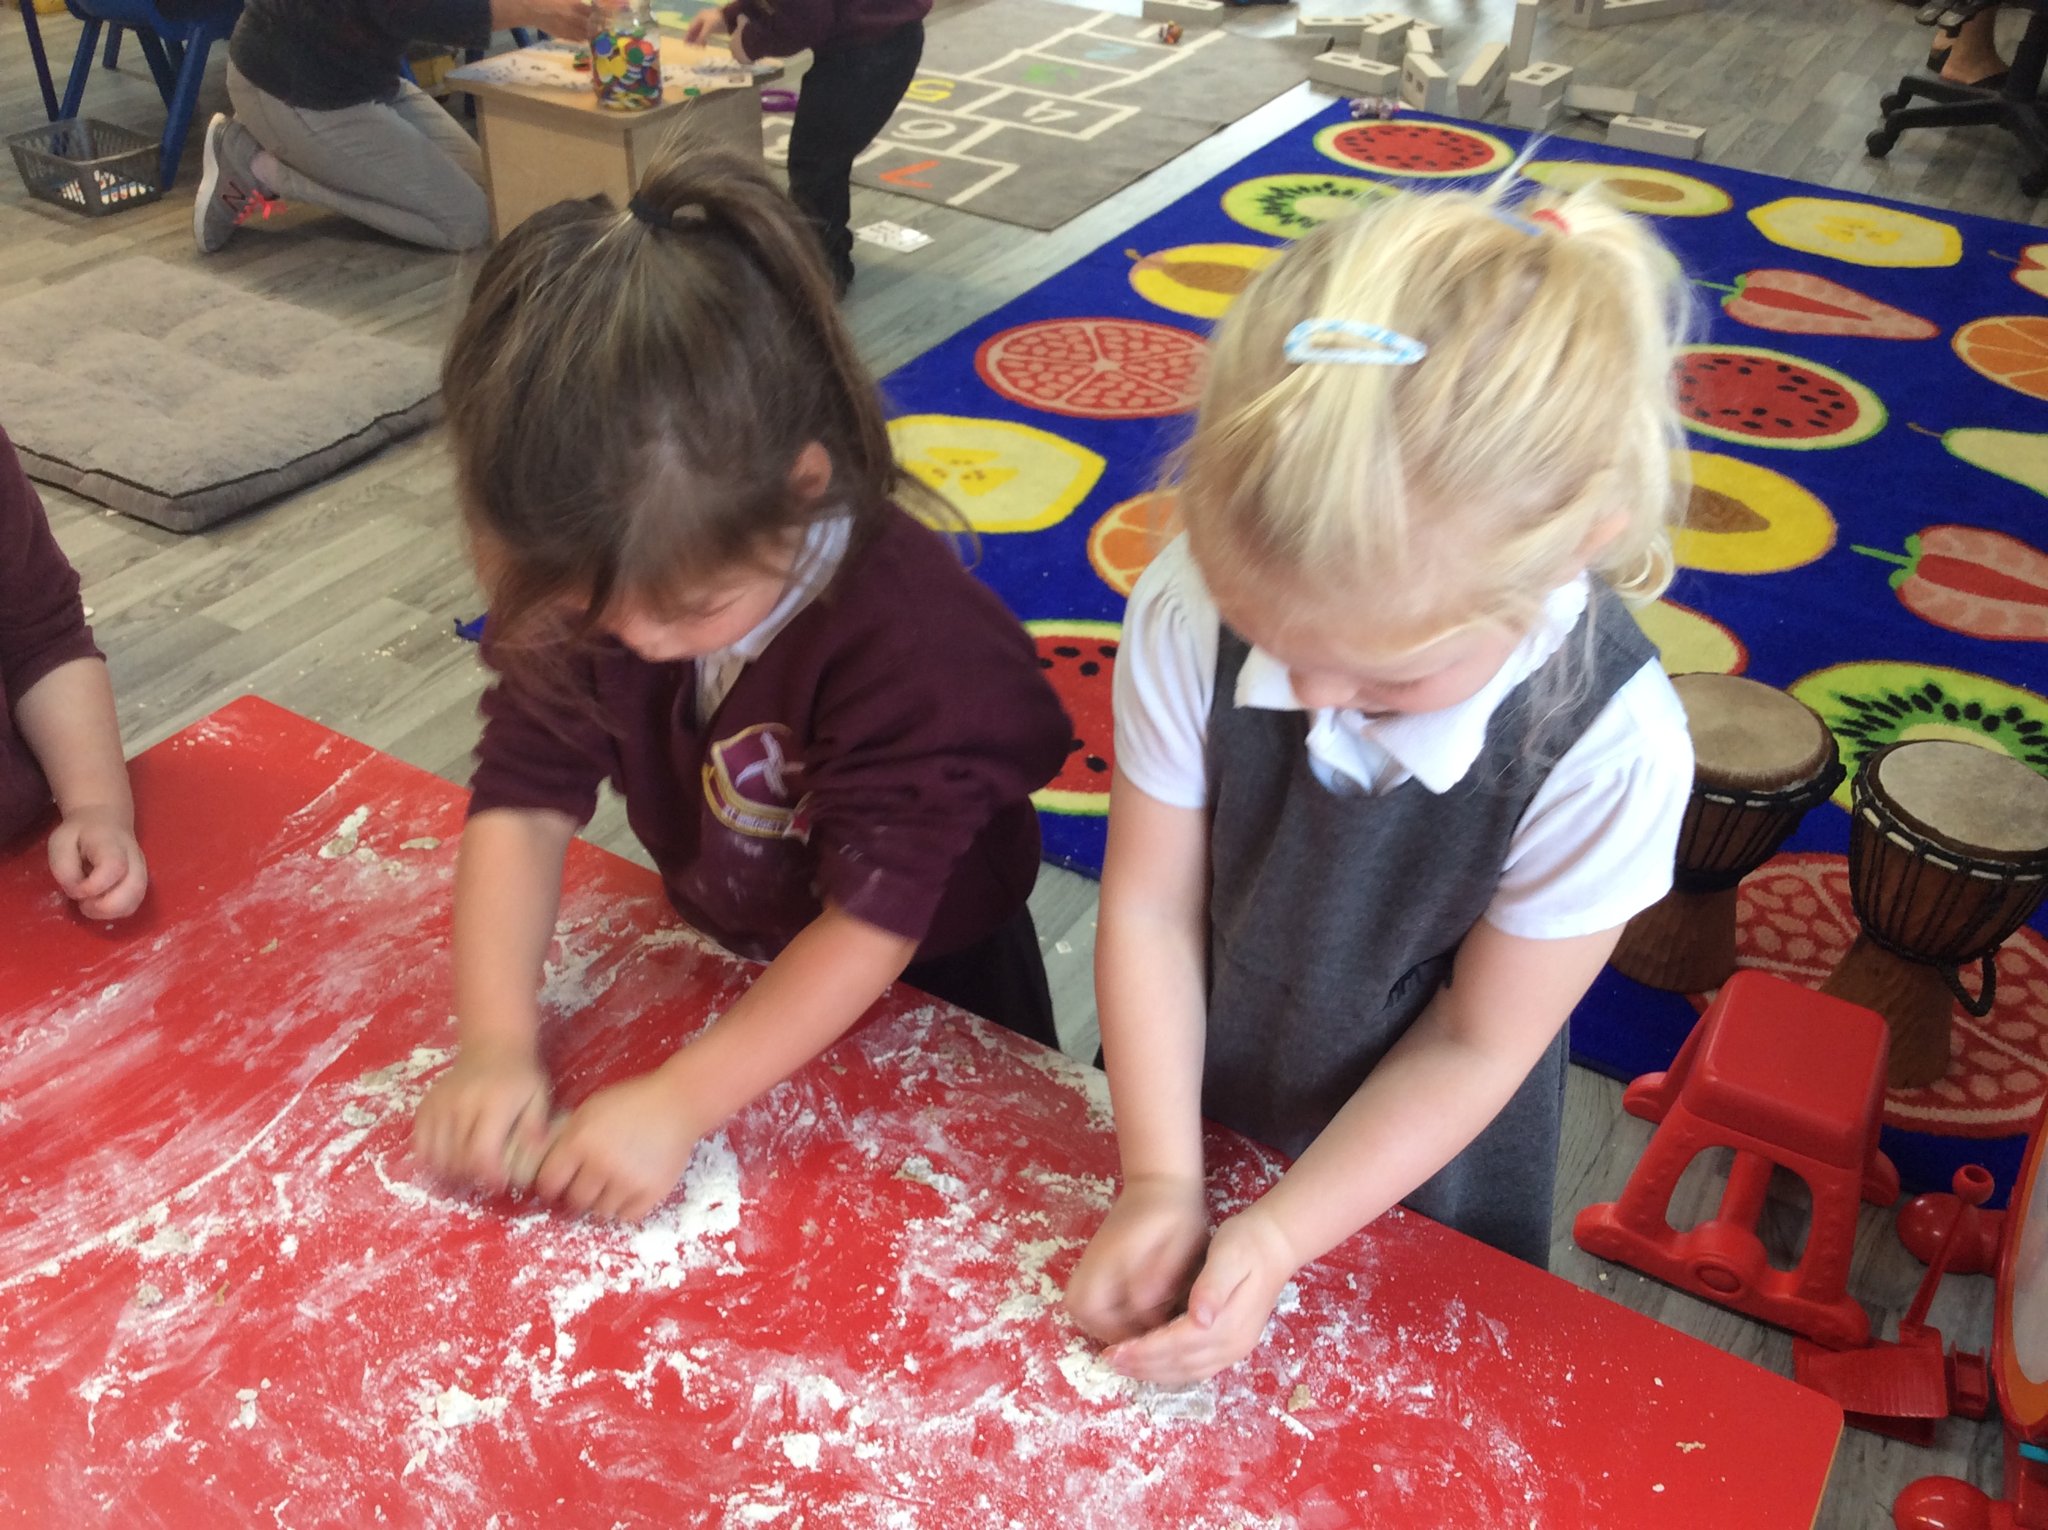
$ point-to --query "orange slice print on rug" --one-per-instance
(1095, 369)
(1431, 151)
(1000, 475)
(1200, 280)
(1690, 642)
(1745, 519)
(1130, 535)
(2011, 349)
(1767, 398)
(1861, 233)
(1794, 917)
(1079, 658)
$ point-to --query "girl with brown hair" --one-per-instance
(682, 502)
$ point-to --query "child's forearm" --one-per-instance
(1439, 1087)
(803, 1001)
(1149, 994)
(508, 885)
(1429, 1097)
(68, 719)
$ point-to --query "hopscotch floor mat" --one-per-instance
(1031, 112)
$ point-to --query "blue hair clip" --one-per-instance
(1351, 343)
(1517, 222)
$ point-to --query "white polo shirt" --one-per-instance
(1597, 843)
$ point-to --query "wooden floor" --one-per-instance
(338, 602)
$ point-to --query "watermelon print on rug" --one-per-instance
(1868, 411)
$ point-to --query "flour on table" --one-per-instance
(343, 844)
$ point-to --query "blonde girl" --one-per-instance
(678, 485)
(1394, 763)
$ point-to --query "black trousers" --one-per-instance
(1000, 977)
(848, 96)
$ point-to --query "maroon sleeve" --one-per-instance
(42, 620)
(778, 28)
(540, 750)
(924, 732)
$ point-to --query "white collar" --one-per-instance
(816, 562)
(1437, 748)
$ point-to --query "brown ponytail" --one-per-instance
(629, 390)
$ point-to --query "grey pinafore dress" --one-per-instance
(1334, 917)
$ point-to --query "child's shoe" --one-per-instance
(229, 193)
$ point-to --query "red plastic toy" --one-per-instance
(2019, 1361)
(1785, 1077)
(1903, 1388)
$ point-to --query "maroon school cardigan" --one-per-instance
(880, 754)
(42, 625)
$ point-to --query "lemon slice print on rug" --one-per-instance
(2018, 455)
(1745, 519)
(1871, 703)
(1973, 580)
(1286, 206)
(1767, 398)
(1200, 280)
(1690, 642)
(1129, 536)
(1634, 188)
(1095, 369)
(1419, 150)
(1001, 475)
(1801, 303)
(2008, 348)
(1861, 233)
(1079, 659)
(1794, 917)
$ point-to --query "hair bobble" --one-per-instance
(1534, 224)
(1347, 342)
(672, 219)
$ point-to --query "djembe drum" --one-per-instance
(1948, 855)
(1761, 760)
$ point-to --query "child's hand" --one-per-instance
(1249, 1263)
(707, 23)
(1140, 1260)
(621, 1152)
(484, 1114)
(98, 864)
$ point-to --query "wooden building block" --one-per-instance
(1349, 72)
(1535, 116)
(1602, 101)
(1522, 41)
(1431, 36)
(1653, 136)
(1344, 29)
(1480, 86)
(1425, 84)
(1197, 13)
(1419, 41)
(1385, 39)
(1539, 85)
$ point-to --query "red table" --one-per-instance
(228, 1297)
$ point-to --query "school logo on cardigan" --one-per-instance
(751, 782)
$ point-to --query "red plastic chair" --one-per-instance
(1785, 1077)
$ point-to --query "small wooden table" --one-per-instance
(228, 1296)
(543, 144)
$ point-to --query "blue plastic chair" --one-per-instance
(175, 48)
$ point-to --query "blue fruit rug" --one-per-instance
(1871, 550)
